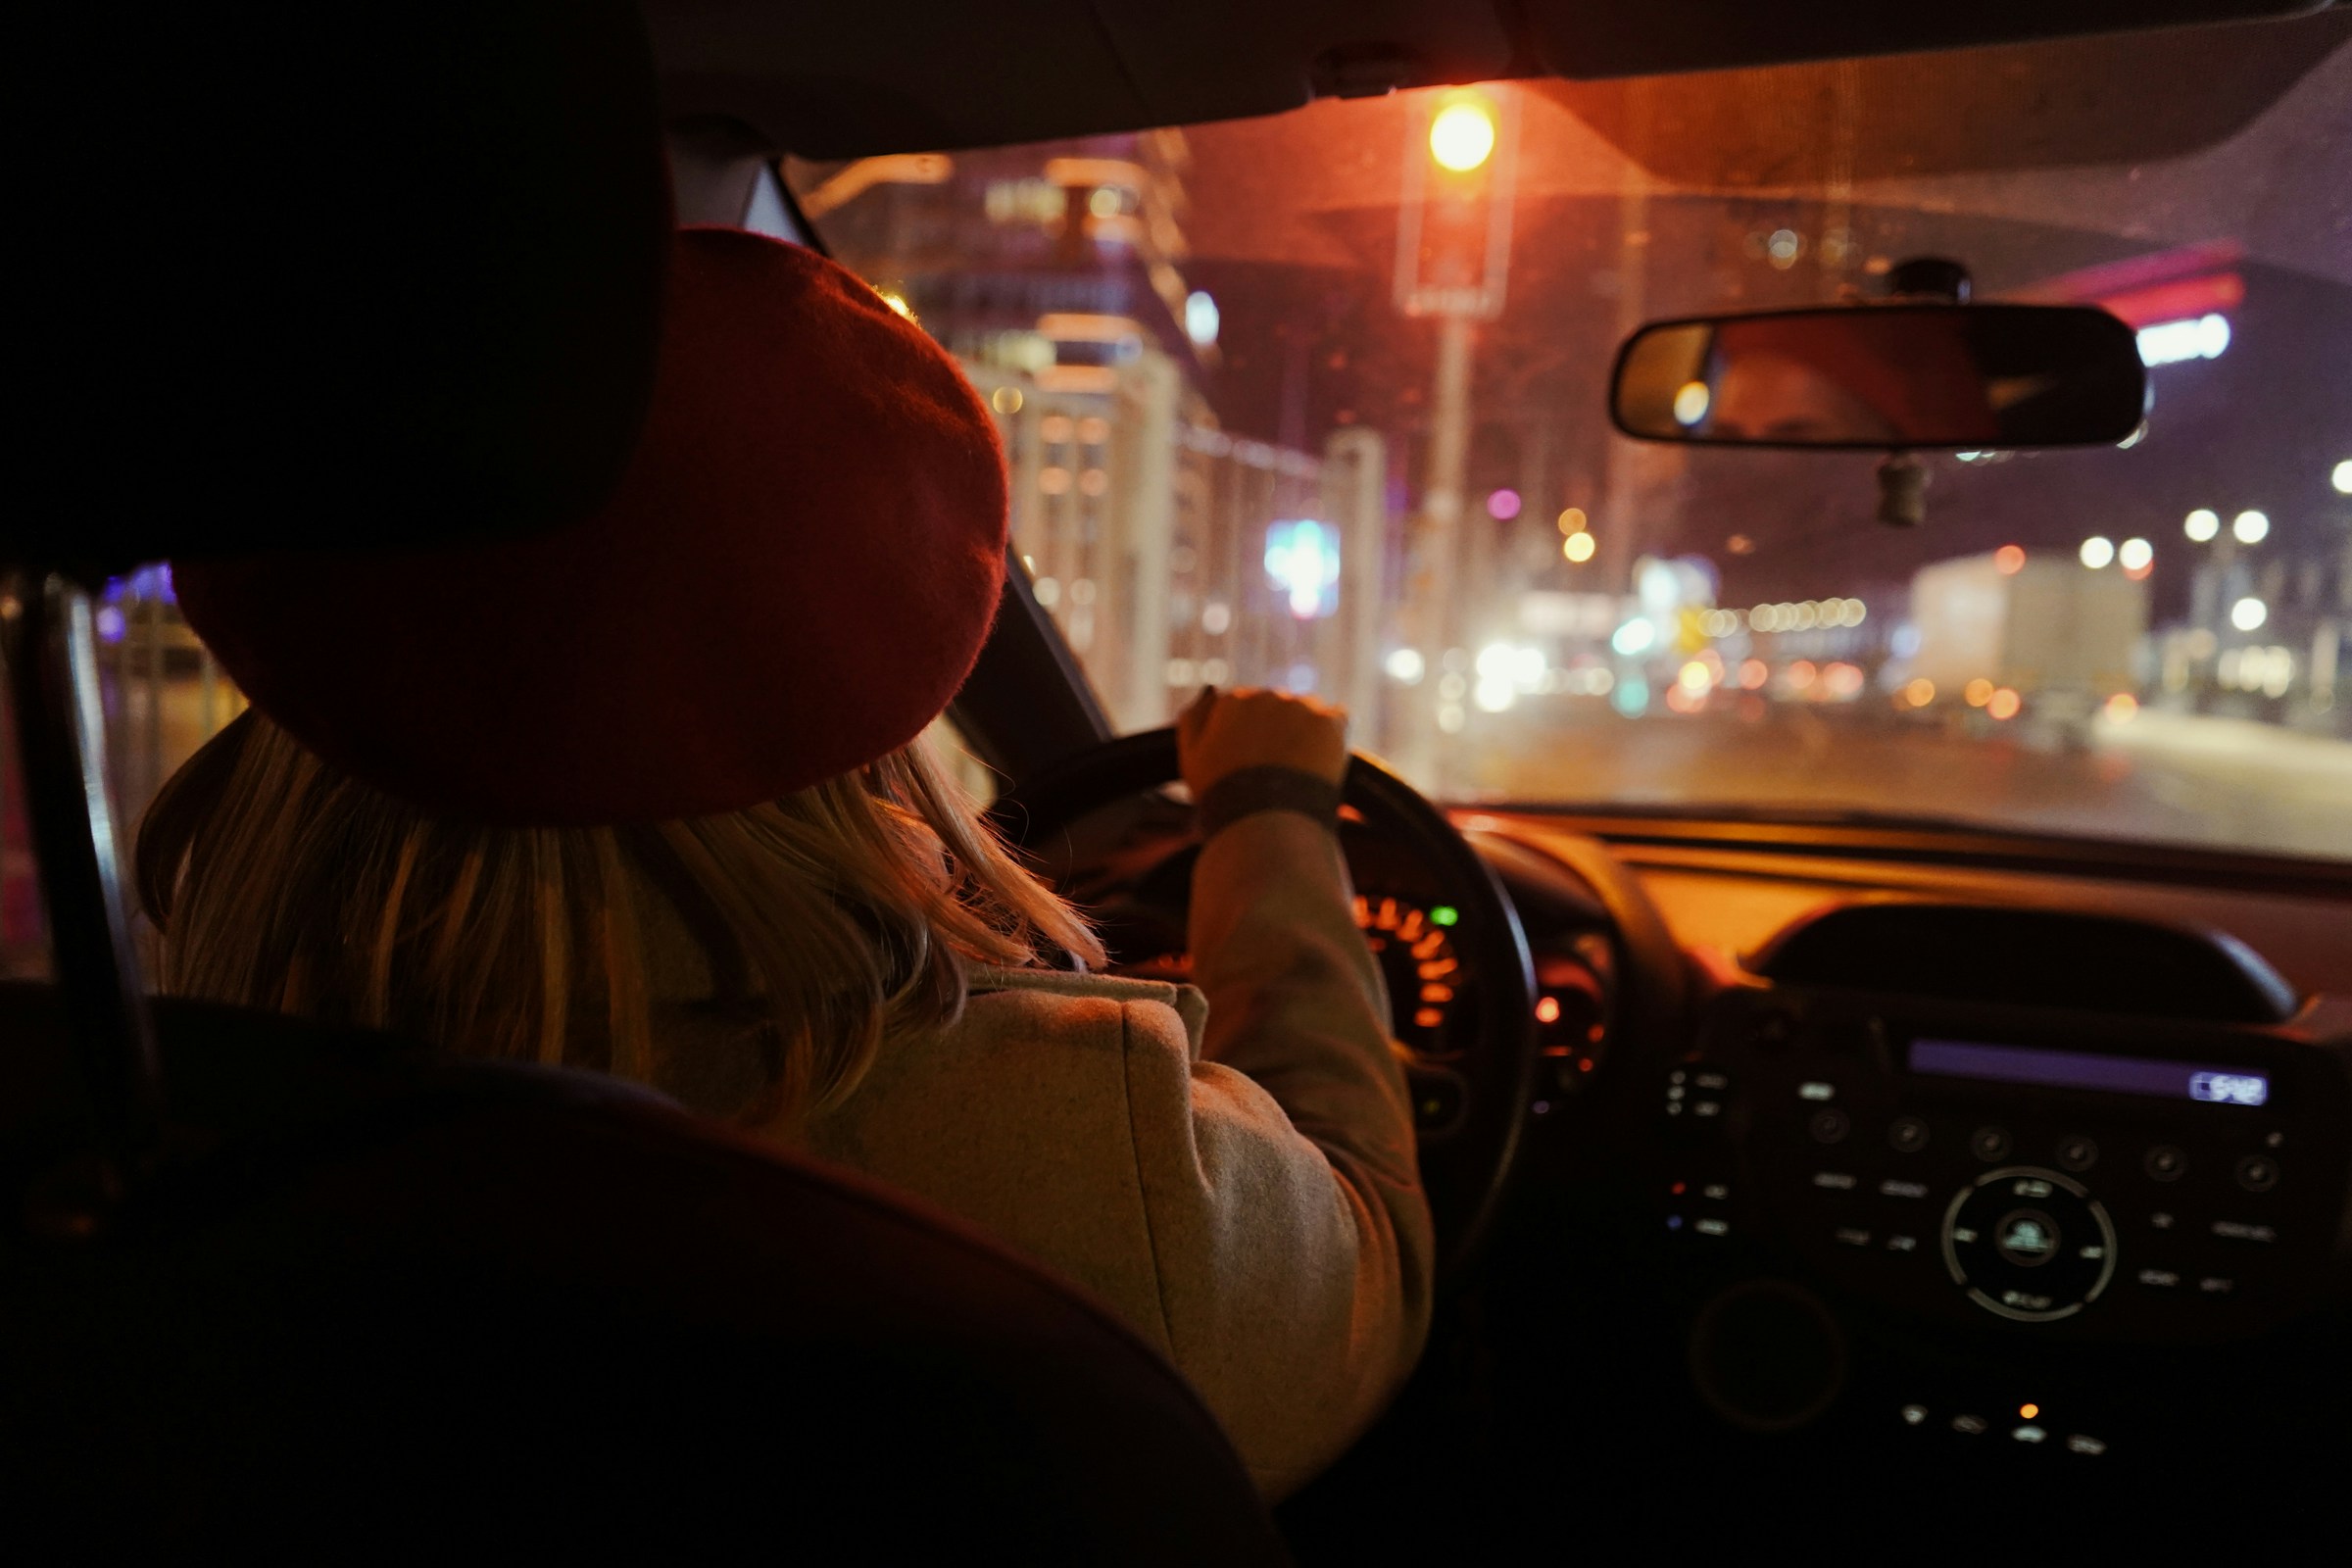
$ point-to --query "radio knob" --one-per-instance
(2029, 1244)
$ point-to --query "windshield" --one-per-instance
(1318, 401)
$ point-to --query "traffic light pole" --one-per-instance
(1435, 593)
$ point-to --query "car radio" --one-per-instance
(2063, 1173)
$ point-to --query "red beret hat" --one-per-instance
(795, 576)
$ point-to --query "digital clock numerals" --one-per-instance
(2229, 1087)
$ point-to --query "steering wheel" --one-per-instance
(1113, 841)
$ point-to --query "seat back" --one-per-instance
(387, 1305)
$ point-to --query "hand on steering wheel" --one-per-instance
(1478, 1095)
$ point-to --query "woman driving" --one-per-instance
(651, 795)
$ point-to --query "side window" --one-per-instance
(162, 697)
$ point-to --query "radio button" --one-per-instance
(1829, 1125)
(1836, 1181)
(2029, 1244)
(2026, 1236)
(1852, 1235)
(2159, 1279)
(2077, 1153)
(1989, 1144)
(1894, 1187)
(1908, 1135)
(2257, 1173)
(2216, 1284)
(2165, 1162)
(2239, 1231)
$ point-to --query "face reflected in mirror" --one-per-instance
(1884, 377)
(1774, 396)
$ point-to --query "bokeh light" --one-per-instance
(1462, 135)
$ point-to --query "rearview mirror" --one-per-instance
(1884, 377)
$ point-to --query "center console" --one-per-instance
(1970, 1196)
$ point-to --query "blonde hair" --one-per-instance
(829, 921)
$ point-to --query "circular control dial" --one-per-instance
(2029, 1244)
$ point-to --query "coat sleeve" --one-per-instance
(1291, 1241)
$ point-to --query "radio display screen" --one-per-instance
(2079, 1069)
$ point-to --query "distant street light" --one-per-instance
(1578, 548)
(2203, 524)
(2250, 527)
(2135, 555)
(2343, 477)
(2097, 551)
(2248, 614)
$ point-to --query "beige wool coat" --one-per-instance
(1227, 1165)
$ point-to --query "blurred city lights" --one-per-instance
(1694, 677)
(1462, 135)
(1801, 675)
(1406, 665)
(1451, 719)
(2120, 707)
(2097, 551)
(1006, 399)
(2202, 337)
(2135, 555)
(2342, 477)
(1690, 402)
(1503, 504)
(1634, 638)
(1842, 680)
(2003, 704)
(1573, 520)
(1578, 548)
(1977, 692)
(1302, 559)
(1201, 317)
(1919, 692)
(2250, 527)
(1631, 697)
(2009, 561)
(1547, 1010)
(2248, 614)
(1753, 672)
(2202, 524)
(1495, 695)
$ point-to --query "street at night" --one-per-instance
(2195, 779)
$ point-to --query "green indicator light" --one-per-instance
(1445, 914)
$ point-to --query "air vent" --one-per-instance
(2030, 958)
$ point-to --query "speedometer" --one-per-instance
(1415, 947)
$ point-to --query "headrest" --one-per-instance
(797, 572)
(330, 275)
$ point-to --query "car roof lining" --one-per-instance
(942, 75)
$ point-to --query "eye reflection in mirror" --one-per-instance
(1884, 377)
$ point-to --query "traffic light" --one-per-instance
(1454, 216)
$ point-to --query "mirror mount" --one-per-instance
(1930, 277)
(1902, 490)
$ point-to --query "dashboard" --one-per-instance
(1949, 1167)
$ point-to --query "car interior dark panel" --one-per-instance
(1764, 966)
(2037, 958)
(1577, 39)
